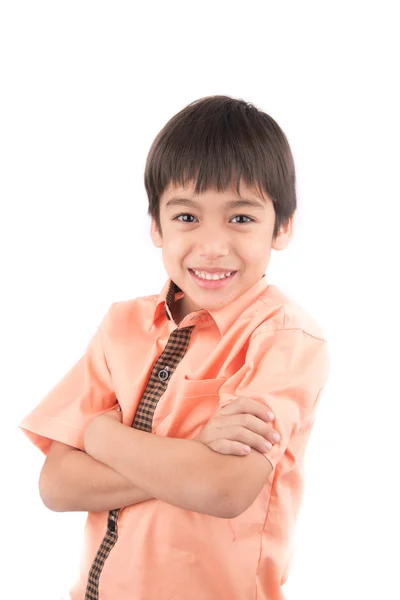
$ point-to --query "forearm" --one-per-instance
(80, 483)
(184, 473)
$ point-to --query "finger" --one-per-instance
(229, 447)
(242, 435)
(243, 404)
(255, 407)
(256, 425)
(248, 421)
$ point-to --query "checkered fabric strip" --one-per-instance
(167, 362)
(92, 588)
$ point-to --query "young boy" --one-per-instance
(147, 431)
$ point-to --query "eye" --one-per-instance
(182, 218)
(183, 215)
(244, 217)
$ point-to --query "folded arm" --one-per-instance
(71, 480)
(184, 473)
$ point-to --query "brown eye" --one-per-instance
(244, 217)
(183, 215)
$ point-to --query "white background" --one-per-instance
(86, 86)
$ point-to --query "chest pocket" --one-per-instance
(186, 410)
(194, 388)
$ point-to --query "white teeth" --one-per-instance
(216, 276)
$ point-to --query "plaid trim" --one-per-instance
(170, 299)
(163, 368)
(92, 588)
(156, 386)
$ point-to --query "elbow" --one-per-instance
(45, 497)
(231, 506)
(211, 499)
(44, 492)
(232, 509)
(233, 499)
(48, 492)
(227, 505)
(239, 483)
(224, 499)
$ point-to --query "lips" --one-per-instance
(216, 272)
(212, 284)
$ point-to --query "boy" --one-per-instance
(147, 431)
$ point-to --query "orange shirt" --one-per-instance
(262, 345)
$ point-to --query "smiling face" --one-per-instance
(219, 232)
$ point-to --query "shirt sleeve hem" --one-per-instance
(42, 431)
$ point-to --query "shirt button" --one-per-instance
(163, 374)
(111, 524)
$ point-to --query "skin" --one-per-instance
(216, 236)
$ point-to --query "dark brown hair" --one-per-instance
(215, 141)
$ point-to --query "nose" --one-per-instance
(212, 243)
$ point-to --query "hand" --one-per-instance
(243, 422)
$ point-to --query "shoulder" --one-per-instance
(132, 312)
(284, 313)
(290, 341)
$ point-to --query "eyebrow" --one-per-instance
(231, 204)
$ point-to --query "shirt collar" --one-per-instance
(170, 293)
(223, 317)
(226, 316)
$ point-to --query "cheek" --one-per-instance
(174, 247)
(252, 247)
(255, 252)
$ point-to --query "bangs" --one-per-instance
(218, 143)
(212, 161)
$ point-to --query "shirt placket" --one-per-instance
(160, 375)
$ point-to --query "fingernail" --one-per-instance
(270, 415)
(276, 437)
(268, 445)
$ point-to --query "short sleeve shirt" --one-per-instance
(261, 345)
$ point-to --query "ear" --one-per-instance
(284, 236)
(155, 234)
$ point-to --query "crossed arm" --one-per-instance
(122, 465)
(138, 466)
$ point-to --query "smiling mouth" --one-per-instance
(221, 275)
(211, 284)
